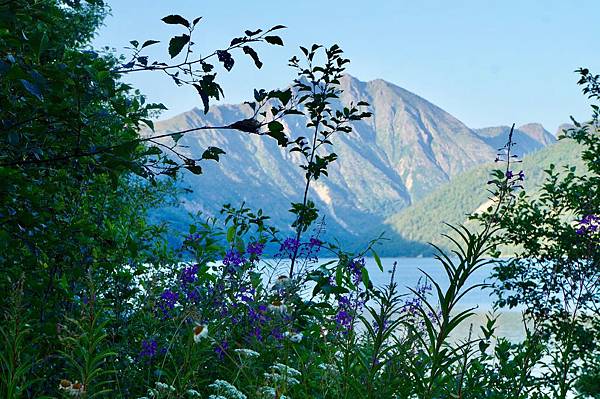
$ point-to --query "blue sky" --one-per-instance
(485, 62)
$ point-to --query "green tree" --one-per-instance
(555, 272)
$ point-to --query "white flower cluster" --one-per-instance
(270, 393)
(248, 353)
(282, 373)
(225, 390)
(294, 337)
(192, 393)
(161, 388)
(329, 368)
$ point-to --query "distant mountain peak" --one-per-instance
(407, 149)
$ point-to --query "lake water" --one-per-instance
(408, 273)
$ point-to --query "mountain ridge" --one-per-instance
(408, 149)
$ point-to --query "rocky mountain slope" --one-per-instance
(406, 150)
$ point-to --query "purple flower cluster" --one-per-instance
(167, 302)
(308, 250)
(245, 294)
(255, 249)
(412, 304)
(233, 261)
(519, 176)
(588, 224)
(188, 275)
(348, 307)
(149, 349)
(190, 239)
(221, 349)
(356, 266)
(289, 247)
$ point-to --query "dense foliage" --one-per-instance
(99, 305)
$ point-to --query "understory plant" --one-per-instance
(103, 305)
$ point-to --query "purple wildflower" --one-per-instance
(289, 247)
(256, 333)
(221, 349)
(588, 224)
(189, 275)
(311, 249)
(356, 267)
(277, 334)
(169, 298)
(255, 249)
(167, 302)
(348, 307)
(149, 349)
(233, 260)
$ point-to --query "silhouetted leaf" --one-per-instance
(282, 95)
(196, 20)
(247, 125)
(250, 51)
(177, 43)
(212, 153)
(176, 20)
(206, 67)
(156, 106)
(195, 169)
(148, 123)
(226, 59)
(276, 131)
(236, 40)
(274, 40)
(252, 33)
(276, 27)
(150, 43)
(203, 96)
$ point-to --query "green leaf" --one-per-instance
(377, 260)
(150, 43)
(176, 20)
(177, 43)
(365, 276)
(32, 89)
(148, 123)
(274, 40)
(230, 234)
(176, 137)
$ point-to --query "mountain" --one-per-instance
(466, 193)
(406, 150)
(527, 138)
